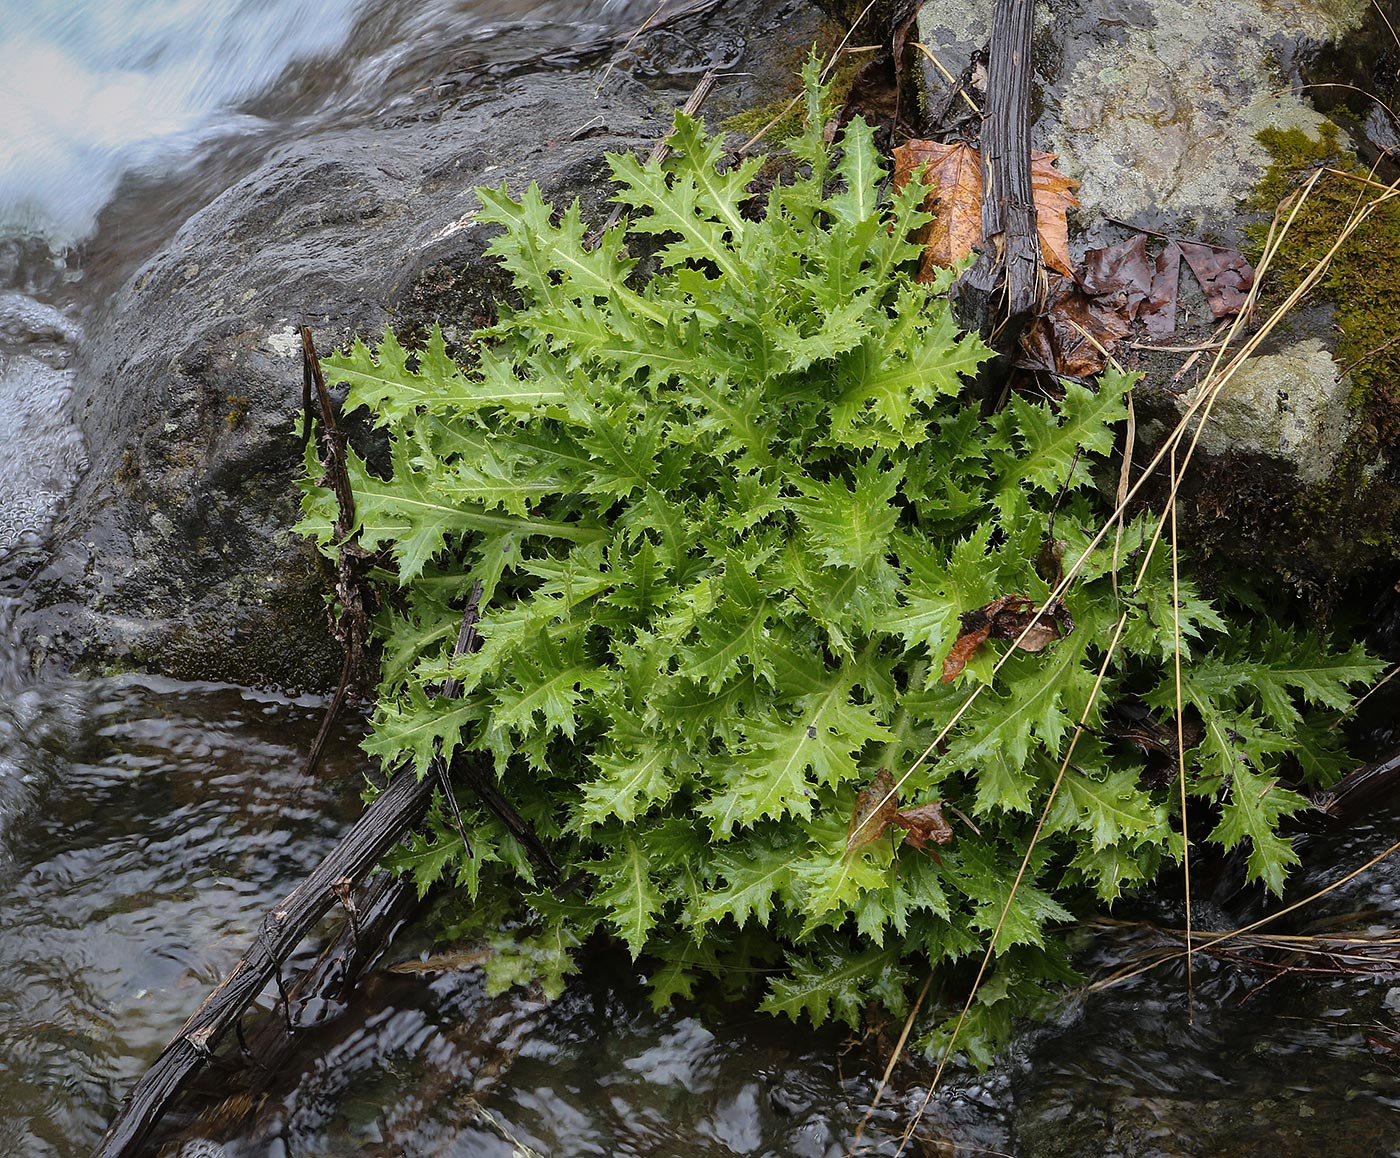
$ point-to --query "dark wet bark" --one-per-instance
(1002, 293)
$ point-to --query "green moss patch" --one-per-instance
(1343, 525)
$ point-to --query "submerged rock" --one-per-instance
(176, 553)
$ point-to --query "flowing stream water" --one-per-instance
(146, 825)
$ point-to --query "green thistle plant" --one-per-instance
(728, 522)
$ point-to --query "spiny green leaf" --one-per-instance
(750, 886)
(849, 526)
(831, 982)
(1114, 809)
(1255, 805)
(633, 781)
(627, 891)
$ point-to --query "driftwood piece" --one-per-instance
(1003, 291)
(391, 816)
(1362, 792)
(393, 813)
(238, 1091)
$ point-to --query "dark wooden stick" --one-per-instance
(1004, 289)
(391, 816)
(239, 1092)
(351, 626)
(1364, 791)
(332, 437)
(466, 644)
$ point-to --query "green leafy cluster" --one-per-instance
(727, 519)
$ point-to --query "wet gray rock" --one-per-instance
(43, 450)
(1293, 405)
(1153, 106)
(176, 554)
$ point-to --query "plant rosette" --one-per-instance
(728, 520)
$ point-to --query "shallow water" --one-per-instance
(145, 827)
(148, 825)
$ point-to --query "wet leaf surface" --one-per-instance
(924, 824)
(1121, 289)
(1076, 333)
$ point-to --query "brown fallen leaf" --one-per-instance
(873, 814)
(924, 823)
(970, 638)
(1007, 617)
(1158, 310)
(1086, 317)
(1122, 273)
(877, 810)
(954, 175)
(1017, 621)
(1054, 198)
(876, 88)
(1075, 335)
(1224, 274)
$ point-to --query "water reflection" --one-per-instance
(1256, 1065)
(436, 1067)
(146, 827)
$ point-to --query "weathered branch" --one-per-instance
(356, 599)
(388, 819)
(319, 996)
(1361, 792)
(1003, 291)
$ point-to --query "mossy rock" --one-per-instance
(1299, 482)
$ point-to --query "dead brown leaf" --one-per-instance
(954, 175)
(877, 810)
(1158, 310)
(879, 85)
(965, 646)
(1122, 273)
(1086, 318)
(1224, 274)
(1054, 197)
(924, 823)
(1017, 621)
(874, 812)
(1076, 333)
(1007, 617)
